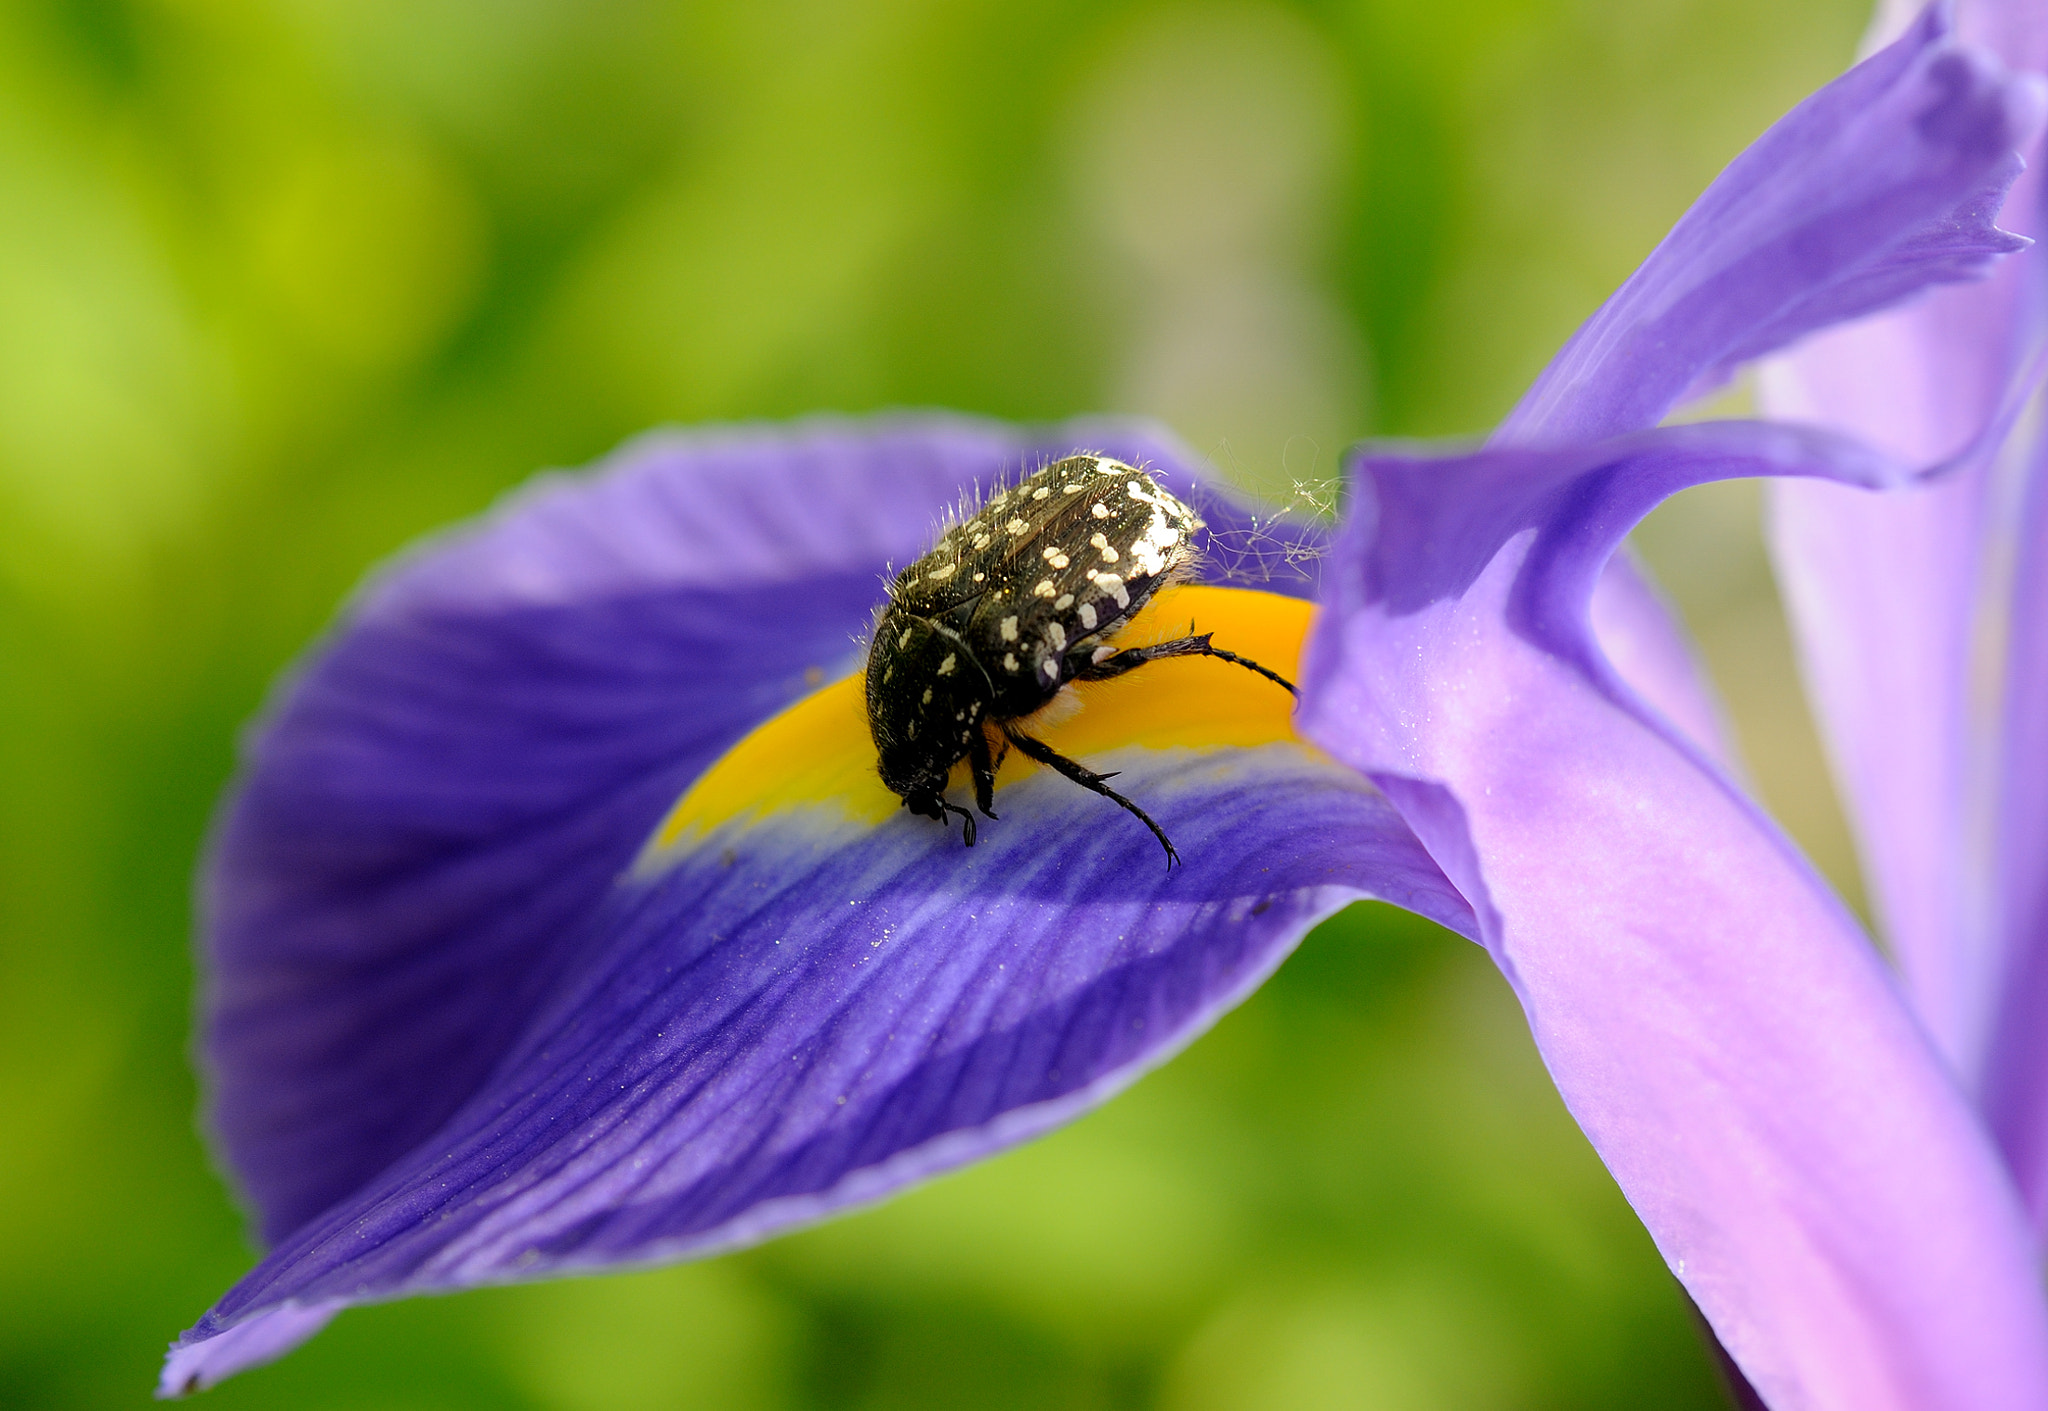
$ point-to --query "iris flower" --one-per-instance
(558, 921)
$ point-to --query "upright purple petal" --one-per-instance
(2016, 1071)
(1884, 181)
(440, 795)
(1639, 632)
(2016, 1077)
(1878, 185)
(1886, 595)
(1711, 1014)
(1882, 593)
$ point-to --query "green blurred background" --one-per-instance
(284, 283)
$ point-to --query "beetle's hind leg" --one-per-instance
(1091, 781)
(1192, 645)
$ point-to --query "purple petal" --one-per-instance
(440, 796)
(2015, 1093)
(1881, 183)
(1639, 634)
(1886, 598)
(1712, 1016)
(1882, 594)
(442, 1011)
(192, 1369)
(809, 1012)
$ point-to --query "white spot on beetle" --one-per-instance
(1088, 616)
(1044, 588)
(1100, 511)
(1008, 627)
(1111, 584)
(946, 666)
(904, 640)
(1056, 635)
(1063, 602)
(1101, 654)
(927, 695)
(1009, 661)
(1042, 492)
(1015, 526)
(1051, 667)
(981, 541)
(981, 577)
(941, 574)
(1056, 558)
(1102, 547)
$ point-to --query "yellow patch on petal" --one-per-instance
(818, 751)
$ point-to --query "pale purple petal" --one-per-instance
(1638, 631)
(807, 1013)
(2016, 1079)
(1713, 1017)
(2016, 1074)
(1886, 596)
(1882, 593)
(2015, 1084)
(441, 793)
(191, 1369)
(1878, 185)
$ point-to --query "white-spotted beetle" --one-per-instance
(1016, 600)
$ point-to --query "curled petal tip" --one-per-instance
(197, 1363)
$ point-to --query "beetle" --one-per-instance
(1021, 596)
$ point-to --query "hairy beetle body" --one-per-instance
(1015, 601)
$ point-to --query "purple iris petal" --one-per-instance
(2016, 1081)
(1711, 1014)
(1639, 633)
(1879, 184)
(1890, 599)
(441, 794)
(1713, 1017)
(1882, 592)
(807, 1016)
(1883, 182)
(455, 1039)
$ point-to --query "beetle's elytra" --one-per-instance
(1016, 600)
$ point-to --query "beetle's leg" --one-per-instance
(1091, 781)
(983, 767)
(1131, 658)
